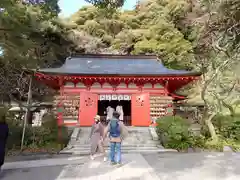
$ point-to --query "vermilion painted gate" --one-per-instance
(140, 109)
(88, 108)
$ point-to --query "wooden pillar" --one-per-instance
(169, 109)
(60, 105)
(166, 86)
(60, 113)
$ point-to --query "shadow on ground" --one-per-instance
(90, 169)
(40, 173)
(178, 166)
(131, 169)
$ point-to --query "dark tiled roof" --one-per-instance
(115, 65)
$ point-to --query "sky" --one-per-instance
(68, 7)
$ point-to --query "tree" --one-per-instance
(30, 38)
(149, 29)
(217, 53)
(107, 4)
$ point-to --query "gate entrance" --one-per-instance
(107, 104)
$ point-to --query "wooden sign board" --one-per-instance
(114, 97)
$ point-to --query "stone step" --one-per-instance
(123, 148)
(87, 152)
(123, 145)
(124, 142)
(139, 140)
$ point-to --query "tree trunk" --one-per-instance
(27, 110)
(208, 122)
(230, 108)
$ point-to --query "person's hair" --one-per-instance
(116, 114)
(2, 117)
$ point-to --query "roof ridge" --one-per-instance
(113, 56)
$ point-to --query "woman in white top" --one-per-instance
(109, 113)
(119, 109)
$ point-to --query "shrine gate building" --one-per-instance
(88, 84)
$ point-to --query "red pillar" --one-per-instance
(60, 105)
(140, 109)
(60, 112)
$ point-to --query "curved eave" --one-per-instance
(177, 83)
(52, 81)
(118, 75)
(171, 82)
(177, 97)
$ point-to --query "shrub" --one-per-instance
(197, 141)
(220, 143)
(174, 133)
(205, 131)
(48, 132)
(38, 137)
(228, 126)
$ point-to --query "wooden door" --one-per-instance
(140, 109)
(88, 108)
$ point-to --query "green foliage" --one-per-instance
(38, 137)
(107, 4)
(93, 28)
(174, 133)
(111, 26)
(107, 39)
(31, 36)
(150, 29)
(228, 126)
(146, 46)
(220, 143)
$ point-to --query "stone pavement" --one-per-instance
(37, 173)
(162, 166)
(134, 167)
(197, 166)
(44, 163)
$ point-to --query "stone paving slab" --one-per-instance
(39, 173)
(172, 166)
(44, 162)
(134, 167)
(197, 166)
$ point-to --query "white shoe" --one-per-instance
(92, 157)
(105, 159)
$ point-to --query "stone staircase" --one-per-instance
(139, 140)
